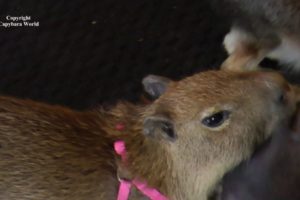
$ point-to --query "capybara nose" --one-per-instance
(273, 79)
(276, 84)
(276, 89)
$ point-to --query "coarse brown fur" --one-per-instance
(54, 153)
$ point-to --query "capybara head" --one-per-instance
(211, 121)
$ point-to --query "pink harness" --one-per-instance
(125, 185)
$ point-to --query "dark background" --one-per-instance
(92, 52)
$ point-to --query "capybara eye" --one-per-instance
(282, 98)
(216, 119)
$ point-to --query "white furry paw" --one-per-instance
(235, 39)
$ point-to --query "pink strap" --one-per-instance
(152, 193)
(124, 190)
(125, 186)
(120, 149)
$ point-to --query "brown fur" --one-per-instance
(54, 153)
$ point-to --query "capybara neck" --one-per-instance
(147, 160)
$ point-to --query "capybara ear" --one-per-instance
(155, 86)
(159, 127)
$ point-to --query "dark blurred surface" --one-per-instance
(273, 171)
(86, 53)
